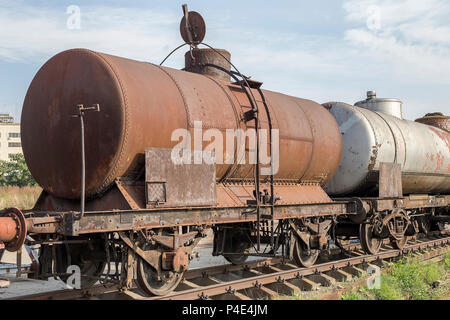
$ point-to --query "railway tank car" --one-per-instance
(374, 131)
(99, 132)
(387, 157)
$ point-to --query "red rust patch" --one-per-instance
(443, 135)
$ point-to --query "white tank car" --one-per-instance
(373, 131)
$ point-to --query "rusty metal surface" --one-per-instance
(185, 184)
(109, 221)
(390, 180)
(142, 104)
(125, 219)
(196, 60)
(436, 119)
(111, 200)
(229, 195)
(197, 28)
(411, 202)
(7, 229)
(13, 228)
(133, 193)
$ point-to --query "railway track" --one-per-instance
(266, 278)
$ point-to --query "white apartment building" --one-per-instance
(10, 142)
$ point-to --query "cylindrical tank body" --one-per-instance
(142, 104)
(369, 138)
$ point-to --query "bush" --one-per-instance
(15, 172)
(19, 197)
(409, 279)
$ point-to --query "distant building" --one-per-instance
(10, 142)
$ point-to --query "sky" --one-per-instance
(324, 50)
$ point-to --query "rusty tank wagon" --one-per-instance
(116, 194)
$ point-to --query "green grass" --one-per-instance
(22, 198)
(409, 279)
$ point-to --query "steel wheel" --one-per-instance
(399, 244)
(148, 282)
(237, 241)
(236, 259)
(90, 269)
(369, 243)
(301, 256)
(242, 247)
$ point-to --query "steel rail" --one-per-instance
(258, 281)
(282, 276)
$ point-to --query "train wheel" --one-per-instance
(90, 269)
(236, 259)
(399, 244)
(302, 256)
(241, 247)
(369, 243)
(151, 283)
(236, 241)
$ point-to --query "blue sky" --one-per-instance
(320, 50)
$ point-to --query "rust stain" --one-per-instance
(438, 161)
(443, 135)
(373, 158)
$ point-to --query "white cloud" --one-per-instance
(29, 32)
(413, 41)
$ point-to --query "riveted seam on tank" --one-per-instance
(392, 133)
(313, 131)
(404, 143)
(111, 174)
(186, 108)
(233, 167)
(228, 97)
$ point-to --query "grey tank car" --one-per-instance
(374, 131)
